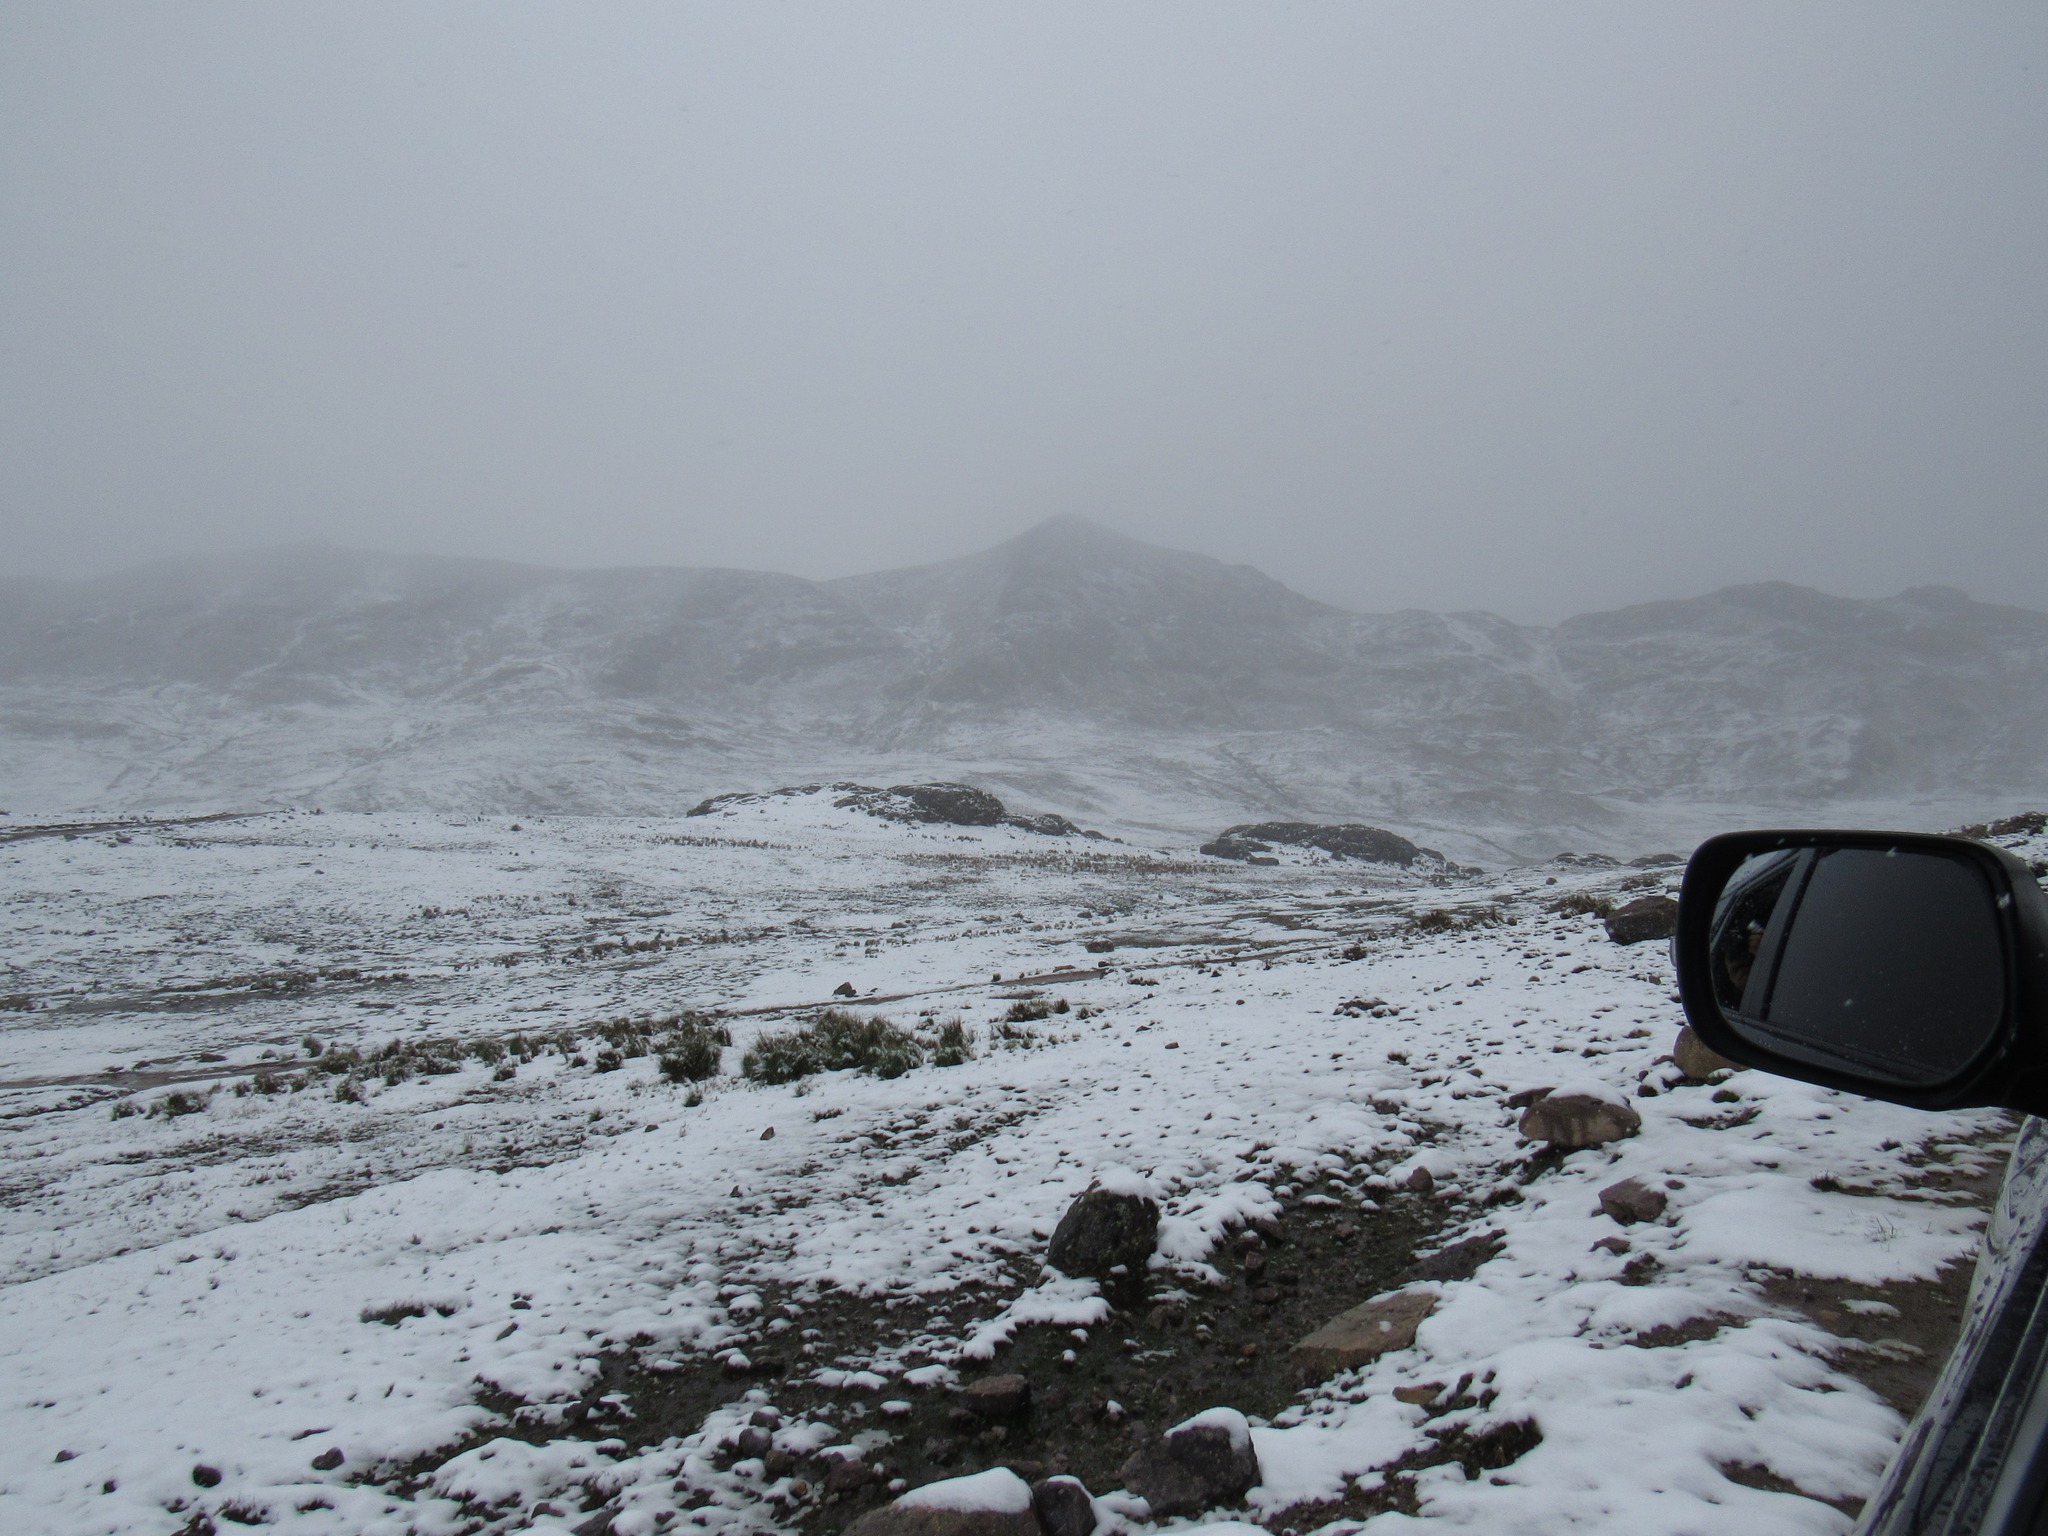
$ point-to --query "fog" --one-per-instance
(1535, 309)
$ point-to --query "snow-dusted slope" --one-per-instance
(1071, 669)
(479, 1300)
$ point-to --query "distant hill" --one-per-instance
(1072, 668)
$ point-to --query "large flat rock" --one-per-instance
(1366, 1332)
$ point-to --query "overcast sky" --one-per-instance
(1534, 308)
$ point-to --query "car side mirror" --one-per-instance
(1897, 965)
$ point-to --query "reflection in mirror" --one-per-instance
(1883, 962)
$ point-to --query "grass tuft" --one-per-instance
(835, 1041)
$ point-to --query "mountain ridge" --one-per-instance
(1153, 686)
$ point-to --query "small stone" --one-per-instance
(754, 1441)
(769, 1134)
(1522, 1098)
(766, 1418)
(1420, 1393)
(848, 1476)
(1613, 1243)
(1063, 1506)
(1574, 1120)
(599, 1524)
(205, 1476)
(1195, 1466)
(1645, 918)
(1374, 1328)
(997, 1399)
(1102, 1230)
(777, 1463)
(328, 1459)
(844, 989)
(1421, 1181)
(1698, 1060)
(66, 1456)
(1631, 1201)
(1456, 1261)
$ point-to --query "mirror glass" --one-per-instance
(1886, 963)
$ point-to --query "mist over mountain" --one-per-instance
(1071, 669)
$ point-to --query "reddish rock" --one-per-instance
(1574, 1120)
(997, 1399)
(1363, 1334)
(1696, 1059)
(1645, 918)
(1631, 1201)
(1195, 1466)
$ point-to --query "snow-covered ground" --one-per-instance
(470, 1283)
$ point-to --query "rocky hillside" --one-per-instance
(1070, 667)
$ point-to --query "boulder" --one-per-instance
(1632, 1201)
(1102, 1229)
(1362, 1335)
(1645, 918)
(1195, 1466)
(1348, 840)
(998, 1399)
(992, 1503)
(1064, 1507)
(957, 805)
(1573, 1120)
(1698, 1060)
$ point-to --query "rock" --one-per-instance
(1047, 825)
(958, 805)
(1456, 1261)
(1698, 1060)
(1420, 1182)
(599, 1524)
(1102, 1230)
(1647, 917)
(1195, 1466)
(1420, 1393)
(205, 1476)
(998, 1399)
(1573, 1120)
(1614, 1244)
(844, 989)
(1063, 1506)
(848, 1476)
(328, 1459)
(993, 1503)
(1374, 1328)
(1631, 1201)
(1348, 840)
(1522, 1098)
(753, 1441)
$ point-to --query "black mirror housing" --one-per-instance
(1898, 965)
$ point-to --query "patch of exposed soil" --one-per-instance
(1169, 1351)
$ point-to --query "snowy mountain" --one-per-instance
(1071, 669)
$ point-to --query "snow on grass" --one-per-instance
(269, 1279)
